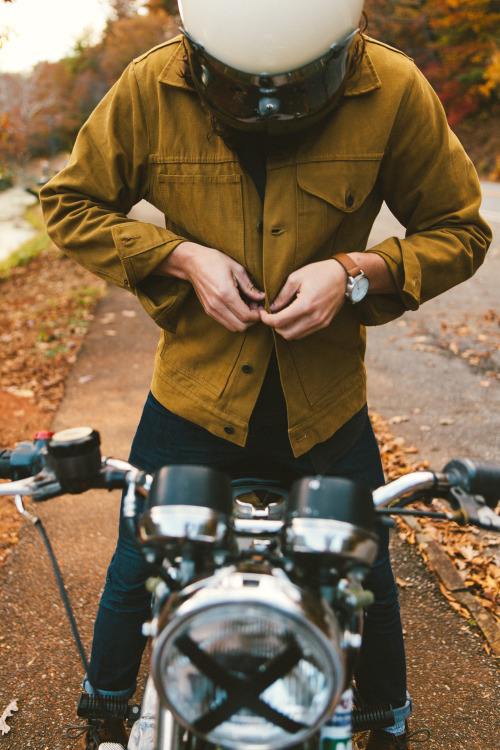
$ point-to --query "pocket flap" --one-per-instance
(344, 184)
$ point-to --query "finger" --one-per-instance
(246, 314)
(283, 319)
(233, 322)
(286, 295)
(294, 330)
(246, 285)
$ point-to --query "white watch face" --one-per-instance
(359, 288)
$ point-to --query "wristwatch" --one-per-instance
(357, 281)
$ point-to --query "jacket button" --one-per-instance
(349, 201)
(228, 429)
(260, 227)
(247, 369)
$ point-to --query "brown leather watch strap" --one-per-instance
(349, 264)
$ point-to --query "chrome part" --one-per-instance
(133, 476)
(250, 505)
(329, 537)
(164, 524)
(22, 487)
(352, 640)
(142, 736)
(398, 488)
(257, 527)
(18, 500)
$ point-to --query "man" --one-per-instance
(269, 137)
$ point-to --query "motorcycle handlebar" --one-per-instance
(70, 462)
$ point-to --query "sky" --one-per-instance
(46, 29)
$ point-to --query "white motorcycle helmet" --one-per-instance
(269, 65)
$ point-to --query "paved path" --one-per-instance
(419, 370)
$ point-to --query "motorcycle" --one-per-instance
(257, 589)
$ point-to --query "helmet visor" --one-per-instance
(269, 102)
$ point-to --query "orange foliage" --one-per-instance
(455, 42)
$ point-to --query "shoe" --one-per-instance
(381, 740)
(105, 722)
(107, 735)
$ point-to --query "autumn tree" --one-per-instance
(404, 24)
(129, 37)
(455, 42)
(12, 131)
(168, 6)
(467, 40)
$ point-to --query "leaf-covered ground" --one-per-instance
(45, 310)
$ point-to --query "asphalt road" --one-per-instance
(455, 685)
(436, 372)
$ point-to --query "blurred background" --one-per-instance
(58, 59)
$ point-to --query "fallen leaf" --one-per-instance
(21, 392)
(107, 319)
(403, 584)
(4, 728)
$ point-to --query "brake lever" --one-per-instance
(475, 509)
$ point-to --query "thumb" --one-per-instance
(286, 295)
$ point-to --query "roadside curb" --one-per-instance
(439, 562)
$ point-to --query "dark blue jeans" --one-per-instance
(163, 438)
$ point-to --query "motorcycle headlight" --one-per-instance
(249, 660)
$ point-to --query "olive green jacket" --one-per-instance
(388, 140)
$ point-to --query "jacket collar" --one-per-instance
(173, 72)
(364, 80)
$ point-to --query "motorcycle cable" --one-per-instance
(37, 523)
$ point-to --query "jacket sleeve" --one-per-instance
(431, 187)
(85, 205)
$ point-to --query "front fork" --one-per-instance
(156, 728)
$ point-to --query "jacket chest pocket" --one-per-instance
(205, 208)
(331, 193)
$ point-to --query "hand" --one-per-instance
(222, 285)
(309, 300)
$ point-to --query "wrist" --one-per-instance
(178, 261)
(357, 282)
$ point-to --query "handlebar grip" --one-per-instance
(6, 469)
(476, 477)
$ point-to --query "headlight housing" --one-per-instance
(333, 518)
(249, 661)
